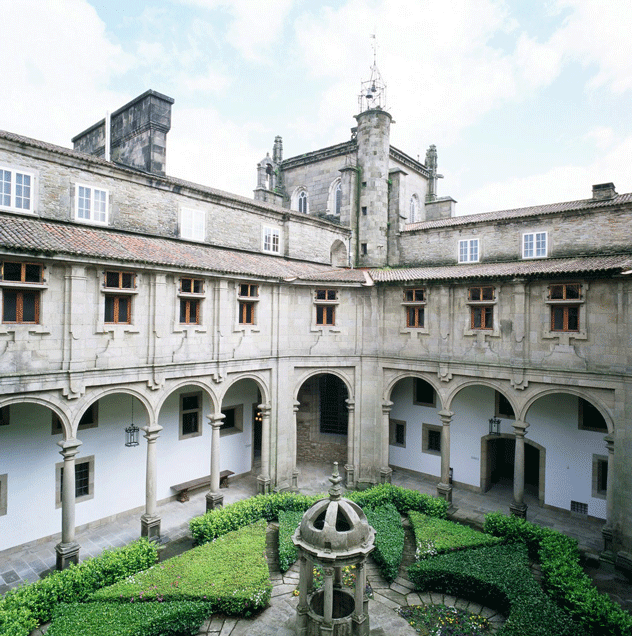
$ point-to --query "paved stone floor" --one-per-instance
(32, 561)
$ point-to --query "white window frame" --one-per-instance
(193, 224)
(534, 240)
(271, 239)
(87, 192)
(11, 191)
(466, 251)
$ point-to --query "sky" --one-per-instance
(527, 102)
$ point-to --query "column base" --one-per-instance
(295, 475)
(214, 500)
(349, 476)
(607, 534)
(361, 625)
(518, 510)
(263, 485)
(445, 492)
(623, 562)
(150, 527)
(67, 553)
(386, 474)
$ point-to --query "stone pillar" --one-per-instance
(360, 615)
(608, 555)
(350, 465)
(295, 407)
(444, 488)
(68, 549)
(214, 498)
(385, 471)
(518, 508)
(150, 521)
(303, 608)
(328, 601)
(263, 481)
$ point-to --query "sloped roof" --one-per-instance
(527, 268)
(504, 215)
(44, 238)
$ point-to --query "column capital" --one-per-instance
(69, 447)
(445, 416)
(216, 419)
(520, 428)
(295, 406)
(152, 432)
(609, 439)
(350, 404)
(265, 408)
(386, 406)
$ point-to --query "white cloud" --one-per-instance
(601, 136)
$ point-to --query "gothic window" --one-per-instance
(302, 202)
(338, 199)
(413, 217)
(334, 201)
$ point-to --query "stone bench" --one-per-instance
(182, 489)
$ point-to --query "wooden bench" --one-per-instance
(182, 489)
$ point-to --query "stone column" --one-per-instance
(263, 481)
(385, 471)
(328, 600)
(444, 488)
(295, 408)
(214, 498)
(150, 521)
(359, 614)
(68, 549)
(350, 465)
(518, 508)
(608, 556)
(302, 609)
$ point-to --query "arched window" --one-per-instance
(302, 202)
(338, 199)
(413, 216)
(334, 198)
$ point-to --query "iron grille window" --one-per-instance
(434, 440)
(190, 409)
(82, 479)
(334, 417)
(189, 311)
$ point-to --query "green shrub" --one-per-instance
(289, 520)
(139, 619)
(436, 536)
(402, 498)
(563, 577)
(389, 539)
(499, 577)
(25, 607)
(230, 574)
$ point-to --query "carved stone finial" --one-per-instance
(335, 492)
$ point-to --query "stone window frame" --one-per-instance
(534, 244)
(467, 253)
(4, 483)
(191, 298)
(414, 298)
(325, 308)
(93, 189)
(498, 396)
(32, 209)
(393, 425)
(182, 412)
(417, 402)
(23, 286)
(334, 200)
(271, 239)
(565, 337)
(116, 293)
(247, 301)
(89, 459)
(475, 305)
(238, 421)
(599, 465)
(192, 224)
(425, 429)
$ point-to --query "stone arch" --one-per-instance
(496, 386)
(257, 379)
(414, 210)
(168, 390)
(334, 198)
(402, 375)
(57, 410)
(314, 372)
(338, 254)
(299, 201)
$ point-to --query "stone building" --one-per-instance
(343, 314)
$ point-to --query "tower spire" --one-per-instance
(373, 91)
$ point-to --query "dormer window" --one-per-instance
(193, 224)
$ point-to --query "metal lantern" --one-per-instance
(131, 432)
(494, 426)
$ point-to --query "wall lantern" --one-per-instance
(131, 432)
(494, 426)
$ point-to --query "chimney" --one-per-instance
(138, 133)
(603, 191)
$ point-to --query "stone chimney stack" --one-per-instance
(138, 134)
(603, 191)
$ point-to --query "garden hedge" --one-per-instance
(289, 520)
(563, 577)
(24, 608)
(389, 539)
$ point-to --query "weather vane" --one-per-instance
(373, 91)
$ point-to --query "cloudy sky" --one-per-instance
(527, 102)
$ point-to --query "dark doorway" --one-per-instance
(256, 435)
(501, 456)
(334, 415)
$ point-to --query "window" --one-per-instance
(414, 301)
(589, 418)
(413, 216)
(271, 240)
(503, 407)
(397, 433)
(334, 414)
(481, 294)
(302, 202)
(247, 307)
(468, 251)
(91, 204)
(424, 393)
(565, 291)
(192, 224)
(579, 508)
(3, 494)
(21, 306)
(191, 286)
(564, 318)
(565, 300)
(364, 249)
(534, 245)
(338, 199)
(190, 305)
(190, 415)
(326, 301)
(431, 439)
(84, 480)
(16, 190)
(334, 199)
(481, 316)
(233, 420)
(118, 308)
(5, 412)
(599, 476)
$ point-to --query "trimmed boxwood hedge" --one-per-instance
(563, 577)
(499, 577)
(289, 520)
(24, 608)
(389, 539)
